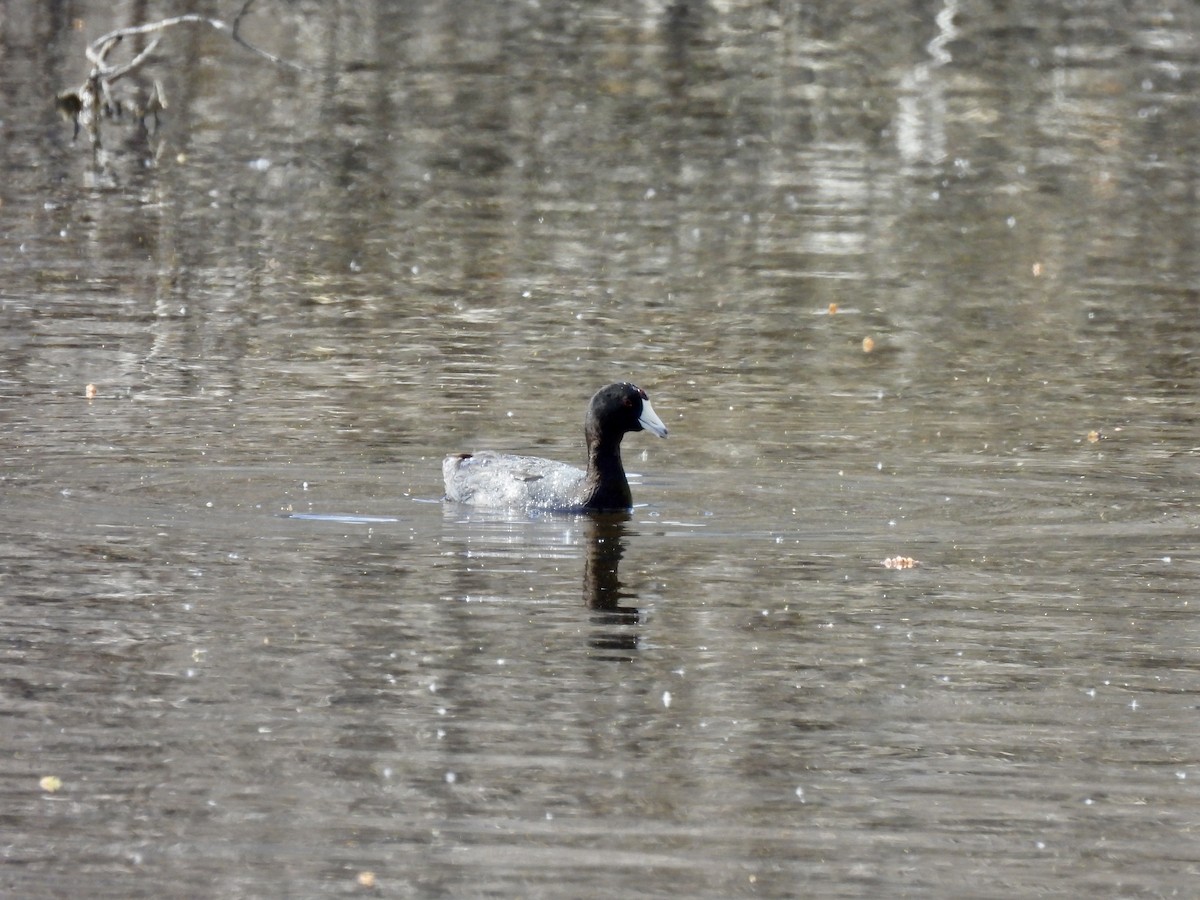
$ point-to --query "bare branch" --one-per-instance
(113, 74)
(92, 100)
(237, 20)
(100, 47)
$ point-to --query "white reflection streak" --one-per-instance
(946, 33)
(921, 116)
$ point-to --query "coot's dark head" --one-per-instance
(619, 408)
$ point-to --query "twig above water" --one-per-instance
(93, 100)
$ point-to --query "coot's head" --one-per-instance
(619, 408)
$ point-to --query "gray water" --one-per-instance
(909, 281)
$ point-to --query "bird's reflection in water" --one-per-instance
(617, 637)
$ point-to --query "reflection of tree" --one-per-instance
(602, 584)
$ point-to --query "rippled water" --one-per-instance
(903, 283)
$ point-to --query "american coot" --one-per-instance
(529, 482)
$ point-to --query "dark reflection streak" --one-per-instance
(684, 22)
(689, 109)
(602, 587)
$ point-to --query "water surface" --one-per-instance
(913, 283)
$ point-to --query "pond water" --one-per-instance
(905, 282)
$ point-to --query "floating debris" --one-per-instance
(900, 562)
(868, 344)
